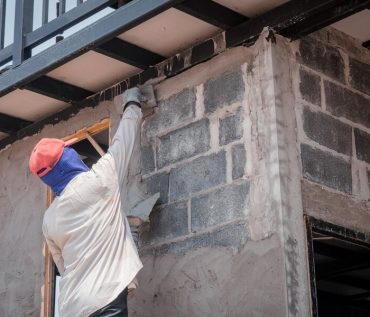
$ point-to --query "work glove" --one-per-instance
(132, 96)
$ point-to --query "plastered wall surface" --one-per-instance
(226, 149)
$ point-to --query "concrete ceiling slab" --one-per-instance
(251, 8)
(28, 105)
(357, 25)
(93, 71)
(169, 33)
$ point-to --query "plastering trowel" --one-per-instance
(149, 100)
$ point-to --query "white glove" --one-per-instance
(132, 96)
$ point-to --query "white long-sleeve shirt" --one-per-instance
(88, 237)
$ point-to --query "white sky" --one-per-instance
(37, 20)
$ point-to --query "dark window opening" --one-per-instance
(340, 271)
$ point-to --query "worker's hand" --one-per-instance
(132, 95)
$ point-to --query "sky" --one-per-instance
(37, 21)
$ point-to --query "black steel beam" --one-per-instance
(10, 124)
(123, 19)
(338, 11)
(212, 12)
(129, 53)
(57, 89)
(292, 17)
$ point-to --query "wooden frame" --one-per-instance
(49, 267)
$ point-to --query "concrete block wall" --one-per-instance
(194, 154)
(333, 113)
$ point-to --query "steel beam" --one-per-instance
(57, 89)
(212, 12)
(10, 124)
(129, 53)
(291, 19)
(123, 19)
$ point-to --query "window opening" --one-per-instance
(340, 270)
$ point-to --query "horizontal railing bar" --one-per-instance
(65, 21)
(119, 21)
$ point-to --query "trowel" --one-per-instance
(149, 101)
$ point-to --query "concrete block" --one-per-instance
(328, 131)
(326, 169)
(147, 159)
(223, 90)
(239, 158)
(183, 143)
(323, 58)
(359, 75)
(342, 102)
(167, 222)
(231, 128)
(234, 236)
(309, 87)
(222, 205)
(158, 183)
(202, 173)
(171, 112)
(362, 141)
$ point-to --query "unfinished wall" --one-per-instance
(333, 111)
(239, 147)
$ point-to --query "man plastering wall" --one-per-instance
(83, 227)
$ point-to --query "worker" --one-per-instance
(87, 235)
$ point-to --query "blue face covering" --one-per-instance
(67, 168)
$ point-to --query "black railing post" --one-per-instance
(2, 22)
(45, 11)
(23, 23)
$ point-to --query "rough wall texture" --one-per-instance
(238, 147)
(333, 110)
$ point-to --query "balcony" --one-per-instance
(56, 54)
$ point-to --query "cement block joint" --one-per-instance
(183, 143)
(342, 102)
(219, 206)
(224, 90)
(231, 128)
(326, 169)
(239, 158)
(328, 131)
(359, 76)
(200, 174)
(310, 87)
(323, 58)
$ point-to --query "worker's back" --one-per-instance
(99, 256)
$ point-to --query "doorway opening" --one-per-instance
(340, 270)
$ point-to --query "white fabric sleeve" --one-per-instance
(124, 139)
(55, 253)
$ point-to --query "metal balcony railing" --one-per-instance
(29, 26)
